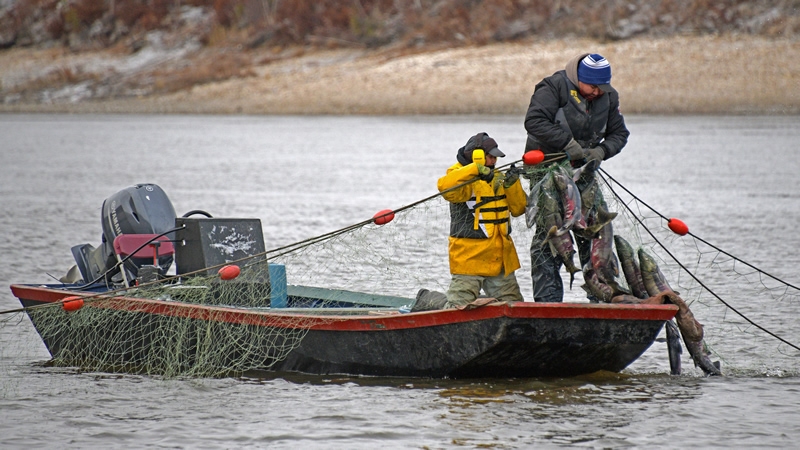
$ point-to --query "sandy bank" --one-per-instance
(691, 75)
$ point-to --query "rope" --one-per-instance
(276, 252)
(604, 176)
(304, 243)
(698, 237)
(674, 258)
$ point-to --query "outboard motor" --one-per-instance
(139, 209)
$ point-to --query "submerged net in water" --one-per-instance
(742, 308)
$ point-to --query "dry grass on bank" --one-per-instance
(691, 75)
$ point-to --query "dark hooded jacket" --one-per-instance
(558, 113)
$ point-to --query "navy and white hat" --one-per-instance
(594, 69)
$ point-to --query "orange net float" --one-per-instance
(533, 157)
(383, 217)
(73, 303)
(677, 226)
(229, 272)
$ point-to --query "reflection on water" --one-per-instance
(598, 408)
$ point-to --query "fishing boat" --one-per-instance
(521, 339)
(197, 322)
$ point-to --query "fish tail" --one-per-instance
(551, 233)
(604, 216)
(701, 359)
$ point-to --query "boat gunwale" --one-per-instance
(365, 322)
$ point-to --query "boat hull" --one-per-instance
(494, 347)
(509, 340)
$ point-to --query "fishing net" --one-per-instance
(743, 309)
(381, 267)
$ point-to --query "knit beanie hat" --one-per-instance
(594, 69)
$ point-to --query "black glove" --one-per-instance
(485, 173)
(574, 151)
(512, 175)
(594, 156)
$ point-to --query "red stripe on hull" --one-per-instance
(276, 318)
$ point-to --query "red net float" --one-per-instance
(383, 217)
(73, 303)
(229, 272)
(533, 157)
(677, 226)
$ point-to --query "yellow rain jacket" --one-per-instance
(480, 241)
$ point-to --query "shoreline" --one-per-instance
(720, 75)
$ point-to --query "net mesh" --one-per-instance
(743, 309)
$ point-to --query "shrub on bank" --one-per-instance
(90, 24)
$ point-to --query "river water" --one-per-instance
(734, 179)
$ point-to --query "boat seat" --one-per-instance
(126, 244)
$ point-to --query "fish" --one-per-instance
(594, 209)
(594, 287)
(630, 267)
(549, 217)
(697, 349)
(652, 278)
(532, 206)
(626, 299)
(549, 214)
(570, 201)
(674, 348)
(604, 267)
(692, 332)
(690, 329)
(604, 261)
(562, 245)
(590, 198)
(633, 300)
(598, 218)
(578, 173)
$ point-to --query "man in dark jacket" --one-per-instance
(574, 112)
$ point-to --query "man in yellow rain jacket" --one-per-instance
(482, 254)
